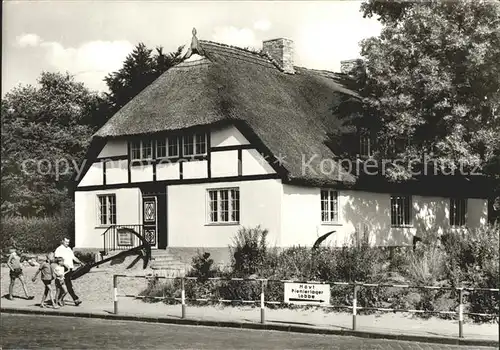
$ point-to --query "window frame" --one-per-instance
(365, 141)
(458, 216)
(326, 207)
(407, 211)
(167, 145)
(231, 209)
(108, 207)
(141, 149)
(194, 144)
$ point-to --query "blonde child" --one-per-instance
(47, 277)
(60, 285)
(16, 272)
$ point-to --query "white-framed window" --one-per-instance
(167, 147)
(458, 211)
(173, 144)
(329, 206)
(106, 209)
(223, 205)
(365, 145)
(195, 144)
(401, 210)
(141, 150)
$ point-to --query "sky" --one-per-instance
(90, 39)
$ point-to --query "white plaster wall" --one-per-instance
(195, 169)
(224, 163)
(254, 164)
(477, 212)
(167, 171)
(88, 233)
(93, 176)
(116, 172)
(260, 203)
(114, 148)
(432, 214)
(141, 173)
(227, 136)
(302, 225)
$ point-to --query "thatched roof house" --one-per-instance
(246, 137)
(290, 114)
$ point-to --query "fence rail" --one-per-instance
(262, 302)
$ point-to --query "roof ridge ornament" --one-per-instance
(195, 47)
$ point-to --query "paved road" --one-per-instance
(31, 331)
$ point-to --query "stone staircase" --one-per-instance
(166, 263)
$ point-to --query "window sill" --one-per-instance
(331, 223)
(401, 226)
(223, 224)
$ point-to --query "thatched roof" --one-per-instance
(291, 114)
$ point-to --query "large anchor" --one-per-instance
(320, 240)
(143, 251)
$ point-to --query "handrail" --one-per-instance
(110, 237)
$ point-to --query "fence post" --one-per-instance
(354, 306)
(262, 303)
(460, 313)
(183, 297)
(115, 294)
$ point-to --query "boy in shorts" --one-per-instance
(47, 277)
(16, 272)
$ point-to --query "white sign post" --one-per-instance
(307, 293)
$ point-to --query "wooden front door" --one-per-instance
(150, 219)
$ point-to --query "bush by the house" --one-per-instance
(249, 250)
(202, 268)
(473, 260)
(85, 257)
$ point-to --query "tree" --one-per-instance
(433, 85)
(140, 69)
(45, 132)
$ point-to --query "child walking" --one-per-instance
(47, 277)
(60, 285)
(16, 272)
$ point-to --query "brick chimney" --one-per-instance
(281, 50)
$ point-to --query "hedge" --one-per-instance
(35, 234)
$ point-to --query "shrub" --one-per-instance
(85, 257)
(202, 268)
(36, 235)
(473, 260)
(426, 265)
(471, 255)
(249, 250)
(157, 290)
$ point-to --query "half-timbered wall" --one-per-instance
(229, 154)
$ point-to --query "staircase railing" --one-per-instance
(114, 240)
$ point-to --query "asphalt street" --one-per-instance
(44, 332)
